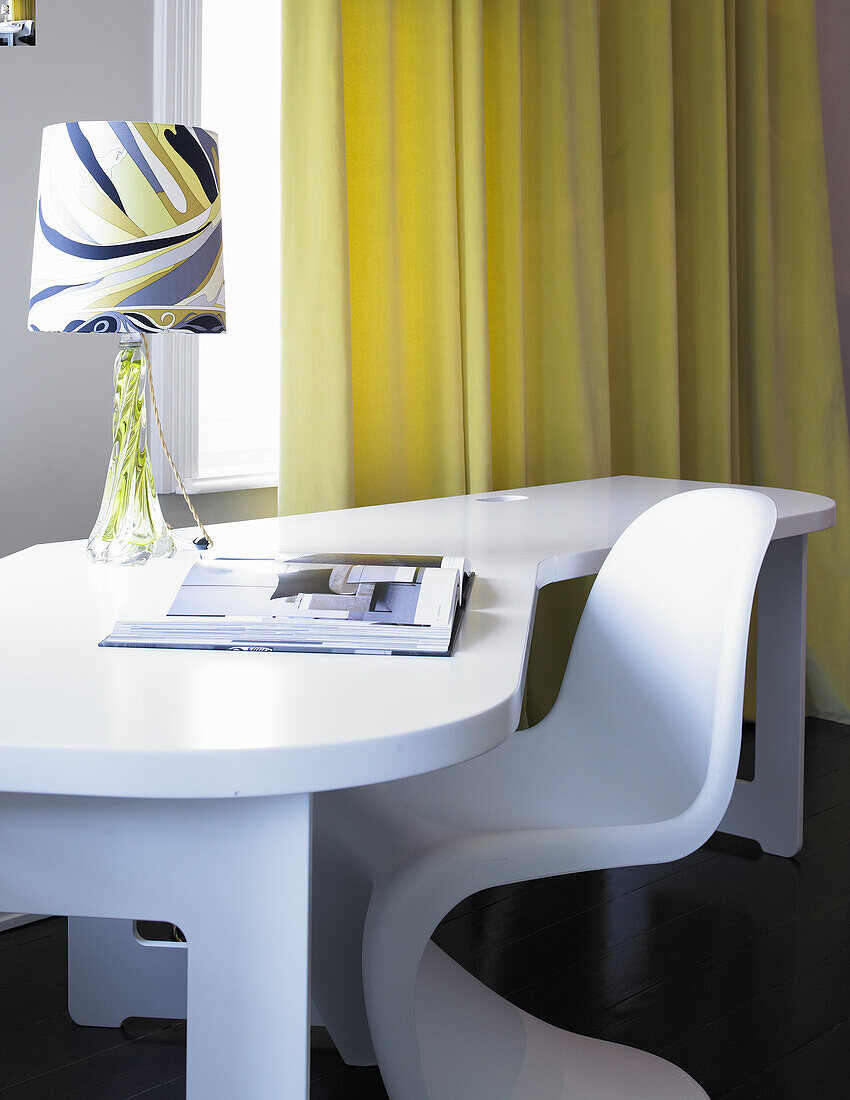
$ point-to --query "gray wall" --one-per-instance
(833, 18)
(55, 390)
(220, 507)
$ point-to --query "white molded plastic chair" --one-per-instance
(635, 764)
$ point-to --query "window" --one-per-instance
(217, 66)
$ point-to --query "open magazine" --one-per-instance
(337, 603)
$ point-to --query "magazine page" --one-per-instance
(309, 589)
(320, 603)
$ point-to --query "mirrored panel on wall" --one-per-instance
(17, 23)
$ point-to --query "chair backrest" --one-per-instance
(657, 665)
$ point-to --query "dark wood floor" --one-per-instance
(734, 965)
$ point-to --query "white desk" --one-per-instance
(11, 32)
(164, 785)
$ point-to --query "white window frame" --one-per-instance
(177, 43)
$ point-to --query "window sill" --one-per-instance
(230, 482)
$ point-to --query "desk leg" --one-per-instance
(113, 973)
(233, 873)
(248, 993)
(769, 809)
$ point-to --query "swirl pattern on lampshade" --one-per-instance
(128, 230)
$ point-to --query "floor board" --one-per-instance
(732, 964)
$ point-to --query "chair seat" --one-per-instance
(552, 776)
(544, 778)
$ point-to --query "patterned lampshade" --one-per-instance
(128, 230)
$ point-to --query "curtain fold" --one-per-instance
(471, 186)
(705, 288)
(635, 62)
(403, 250)
(317, 438)
(792, 429)
(563, 262)
(534, 242)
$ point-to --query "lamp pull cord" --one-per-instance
(207, 538)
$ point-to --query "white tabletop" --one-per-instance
(78, 719)
(16, 27)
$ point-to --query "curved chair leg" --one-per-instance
(392, 955)
(474, 1045)
(440, 1034)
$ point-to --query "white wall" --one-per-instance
(56, 390)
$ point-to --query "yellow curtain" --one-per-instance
(22, 9)
(529, 242)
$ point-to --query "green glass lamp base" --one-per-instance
(130, 527)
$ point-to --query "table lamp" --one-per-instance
(128, 241)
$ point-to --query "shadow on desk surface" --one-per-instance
(734, 966)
